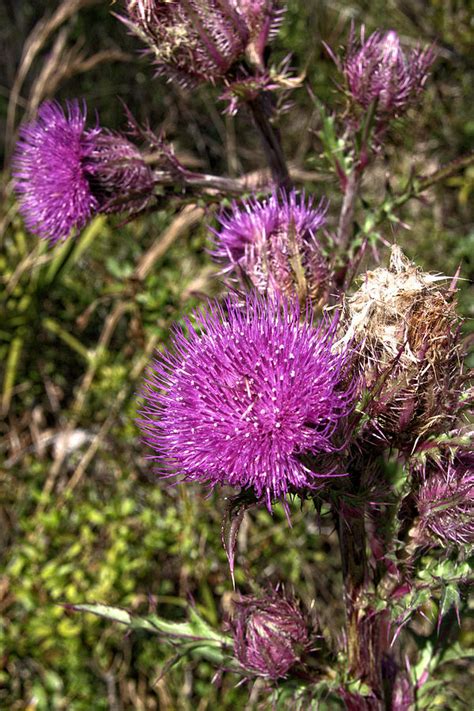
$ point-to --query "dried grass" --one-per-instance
(61, 63)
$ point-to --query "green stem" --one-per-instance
(445, 172)
(417, 187)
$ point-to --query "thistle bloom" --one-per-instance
(65, 173)
(199, 40)
(245, 395)
(378, 70)
(273, 244)
(446, 501)
(270, 635)
(406, 333)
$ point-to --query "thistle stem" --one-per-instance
(346, 218)
(352, 543)
(200, 181)
(367, 631)
(261, 110)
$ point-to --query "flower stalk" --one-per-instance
(352, 545)
(345, 227)
(261, 110)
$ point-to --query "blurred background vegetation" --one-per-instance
(81, 517)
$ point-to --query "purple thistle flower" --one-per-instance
(446, 501)
(270, 635)
(64, 173)
(199, 40)
(378, 70)
(273, 244)
(245, 395)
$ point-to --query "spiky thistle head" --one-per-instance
(271, 634)
(445, 501)
(404, 326)
(64, 173)
(274, 245)
(200, 40)
(245, 395)
(378, 71)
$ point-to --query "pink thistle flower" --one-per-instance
(64, 174)
(245, 395)
(273, 244)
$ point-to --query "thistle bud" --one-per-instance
(270, 635)
(406, 332)
(200, 41)
(378, 71)
(64, 174)
(446, 501)
(274, 245)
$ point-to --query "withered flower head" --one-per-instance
(404, 325)
(199, 40)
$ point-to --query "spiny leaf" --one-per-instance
(450, 598)
(231, 522)
(192, 637)
(455, 652)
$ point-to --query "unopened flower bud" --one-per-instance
(270, 635)
(404, 326)
(378, 70)
(64, 174)
(200, 40)
(446, 501)
(273, 244)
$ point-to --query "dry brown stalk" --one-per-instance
(69, 63)
(37, 39)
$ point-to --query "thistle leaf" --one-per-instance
(231, 522)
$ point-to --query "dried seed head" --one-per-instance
(405, 328)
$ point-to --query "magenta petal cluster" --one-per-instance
(270, 635)
(64, 173)
(244, 395)
(378, 70)
(446, 501)
(199, 40)
(53, 189)
(273, 243)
